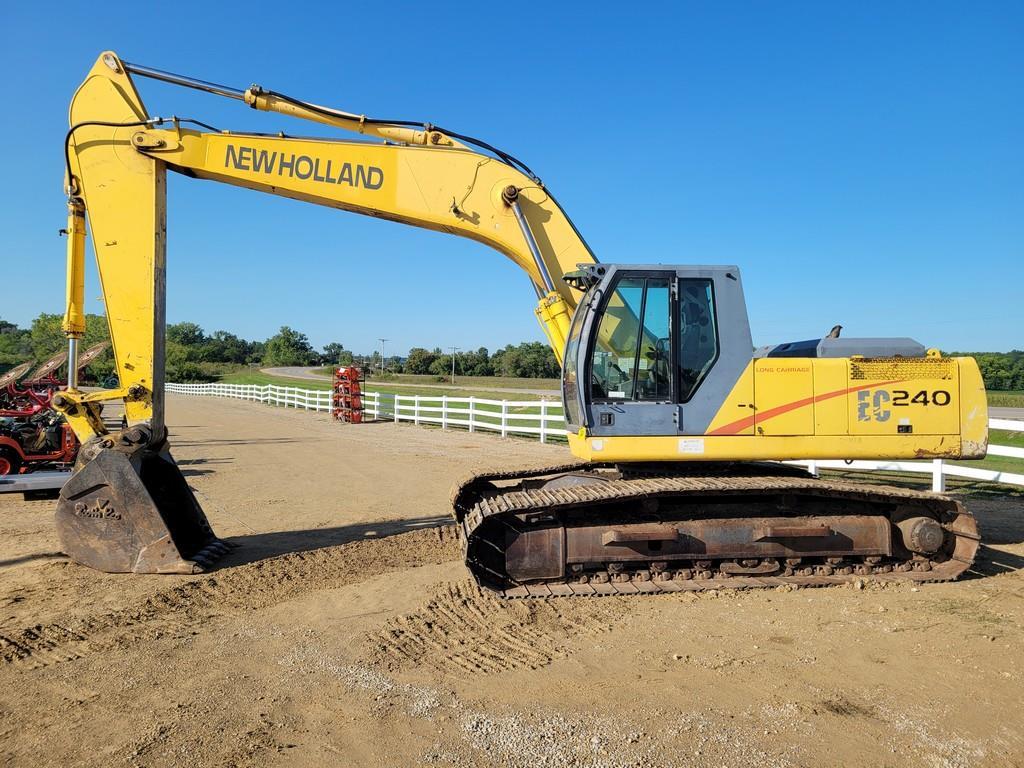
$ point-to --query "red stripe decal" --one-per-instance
(748, 421)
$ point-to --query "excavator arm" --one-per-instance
(118, 156)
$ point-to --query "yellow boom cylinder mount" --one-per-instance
(555, 317)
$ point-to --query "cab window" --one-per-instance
(698, 335)
(632, 349)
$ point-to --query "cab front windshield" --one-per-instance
(633, 349)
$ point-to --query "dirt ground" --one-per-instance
(344, 631)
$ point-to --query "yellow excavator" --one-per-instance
(679, 426)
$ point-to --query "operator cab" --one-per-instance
(653, 350)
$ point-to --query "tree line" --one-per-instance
(195, 355)
(44, 338)
(1000, 370)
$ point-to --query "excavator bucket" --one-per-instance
(128, 509)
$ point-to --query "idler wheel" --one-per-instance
(922, 535)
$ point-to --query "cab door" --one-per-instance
(632, 387)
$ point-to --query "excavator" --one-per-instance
(678, 426)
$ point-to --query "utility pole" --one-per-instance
(382, 355)
(454, 349)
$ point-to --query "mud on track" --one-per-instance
(344, 631)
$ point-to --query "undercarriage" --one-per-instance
(586, 529)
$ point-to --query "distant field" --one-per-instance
(483, 382)
(1006, 399)
(482, 386)
(256, 377)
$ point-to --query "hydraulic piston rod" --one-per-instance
(511, 197)
(183, 80)
(74, 314)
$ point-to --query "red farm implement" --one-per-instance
(347, 400)
(32, 435)
(31, 396)
(43, 441)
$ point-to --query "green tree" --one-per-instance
(420, 360)
(15, 345)
(46, 338)
(442, 365)
(334, 352)
(187, 334)
(531, 359)
(476, 363)
(288, 347)
(999, 370)
(224, 347)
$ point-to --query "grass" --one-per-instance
(1000, 463)
(481, 385)
(262, 379)
(484, 383)
(1006, 399)
(1002, 437)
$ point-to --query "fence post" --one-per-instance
(398, 403)
(938, 479)
(504, 418)
(543, 420)
(416, 409)
(471, 414)
(444, 411)
(812, 467)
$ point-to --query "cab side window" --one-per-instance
(698, 334)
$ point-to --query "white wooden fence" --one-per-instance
(293, 397)
(939, 469)
(540, 418)
(544, 419)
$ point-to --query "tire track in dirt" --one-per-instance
(181, 609)
(462, 628)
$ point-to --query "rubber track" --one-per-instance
(475, 500)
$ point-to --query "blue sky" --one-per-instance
(862, 163)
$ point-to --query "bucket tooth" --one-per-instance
(128, 509)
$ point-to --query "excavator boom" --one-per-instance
(117, 159)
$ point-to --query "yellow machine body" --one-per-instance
(805, 408)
